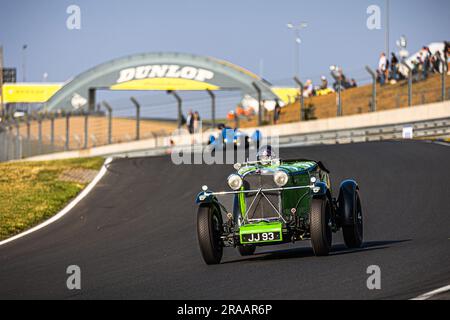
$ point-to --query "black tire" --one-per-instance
(320, 228)
(246, 251)
(209, 229)
(353, 234)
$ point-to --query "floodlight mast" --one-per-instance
(297, 28)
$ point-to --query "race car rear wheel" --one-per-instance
(246, 251)
(209, 231)
(353, 234)
(320, 227)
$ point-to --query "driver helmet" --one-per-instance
(266, 153)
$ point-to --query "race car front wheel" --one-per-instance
(320, 227)
(246, 251)
(209, 231)
(353, 234)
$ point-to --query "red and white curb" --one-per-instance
(66, 210)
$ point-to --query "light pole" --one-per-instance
(24, 63)
(298, 41)
(387, 27)
(402, 43)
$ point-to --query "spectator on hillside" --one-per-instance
(249, 113)
(240, 112)
(382, 68)
(196, 122)
(430, 56)
(347, 84)
(415, 70)
(276, 113)
(446, 55)
(424, 59)
(324, 84)
(309, 89)
(353, 84)
(190, 122)
(436, 62)
(394, 67)
(342, 80)
(386, 73)
(231, 116)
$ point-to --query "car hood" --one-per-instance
(290, 168)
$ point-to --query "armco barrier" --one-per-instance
(428, 121)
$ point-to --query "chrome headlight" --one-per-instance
(235, 182)
(281, 178)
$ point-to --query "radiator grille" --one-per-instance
(261, 208)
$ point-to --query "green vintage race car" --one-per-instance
(275, 202)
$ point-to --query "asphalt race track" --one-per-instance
(134, 235)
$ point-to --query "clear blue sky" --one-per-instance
(242, 32)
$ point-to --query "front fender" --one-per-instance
(204, 198)
(320, 189)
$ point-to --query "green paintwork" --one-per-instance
(242, 203)
(261, 227)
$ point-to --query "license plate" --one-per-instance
(261, 237)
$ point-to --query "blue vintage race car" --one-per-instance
(233, 137)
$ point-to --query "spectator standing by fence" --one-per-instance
(436, 62)
(190, 122)
(276, 113)
(424, 59)
(382, 68)
(394, 67)
(446, 55)
(309, 89)
(196, 122)
(324, 84)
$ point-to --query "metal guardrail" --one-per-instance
(431, 129)
(13, 146)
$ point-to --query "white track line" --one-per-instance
(64, 211)
(445, 144)
(431, 294)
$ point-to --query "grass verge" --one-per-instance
(31, 192)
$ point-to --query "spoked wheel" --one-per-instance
(209, 231)
(320, 227)
(353, 234)
(246, 251)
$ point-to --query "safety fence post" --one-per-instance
(109, 108)
(17, 153)
(86, 129)
(213, 107)
(443, 77)
(338, 79)
(179, 106)
(27, 119)
(302, 98)
(374, 89)
(52, 130)
(39, 121)
(410, 82)
(67, 144)
(138, 117)
(260, 106)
